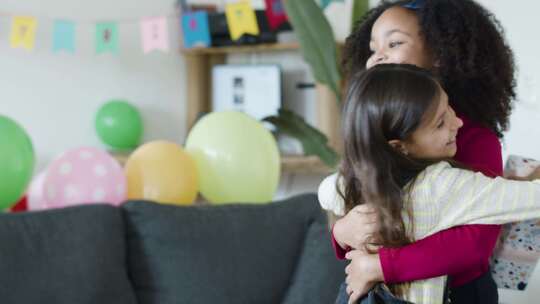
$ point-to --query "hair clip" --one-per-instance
(415, 4)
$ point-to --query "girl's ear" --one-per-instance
(399, 146)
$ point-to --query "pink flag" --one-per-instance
(275, 13)
(154, 34)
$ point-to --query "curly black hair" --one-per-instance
(475, 64)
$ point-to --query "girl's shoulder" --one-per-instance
(472, 128)
(473, 131)
(429, 176)
(479, 148)
(432, 171)
(328, 196)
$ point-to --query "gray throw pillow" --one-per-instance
(73, 256)
(318, 273)
(216, 254)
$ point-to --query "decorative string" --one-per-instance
(92, 21)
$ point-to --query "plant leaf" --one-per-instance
(313, 141)
(360, 7)
(317, 42)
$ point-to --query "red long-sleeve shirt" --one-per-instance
(462, 252)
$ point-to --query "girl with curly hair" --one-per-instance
(463, 45)
(400, 133)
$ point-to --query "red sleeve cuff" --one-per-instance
(340, 252)
(385, 257)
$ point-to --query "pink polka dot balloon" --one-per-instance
(84, 176)
(35, 196)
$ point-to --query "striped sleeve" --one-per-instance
(460, 197)
(329, 197)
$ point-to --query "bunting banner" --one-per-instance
(64, 36)
(195, 29)
(239, 14)
(275, 13)
(241, 19)
(23, 32)
(154, 34)
(106, 37)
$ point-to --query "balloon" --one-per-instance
(16, 162)
(162, 171)
(119, 125)
(36, 194)
(84, 175)
(237, 158)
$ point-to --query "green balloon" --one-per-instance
(119, 125)
(237, 158)
(16, 162)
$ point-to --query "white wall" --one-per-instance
(55, 96)
(520, 20)
(522, 33)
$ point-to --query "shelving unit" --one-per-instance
(199, 63)
(268, 47)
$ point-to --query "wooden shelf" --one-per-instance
(304, 165)
(199, 64)
(268, 47)
(296, 164)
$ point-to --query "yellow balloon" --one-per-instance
(237, 158)
(162, 171)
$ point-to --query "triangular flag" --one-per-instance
(195, 29)
(64, 36)
(106, 37)
(241, 19)
(23, 32)
(154, 34)
(275, 13)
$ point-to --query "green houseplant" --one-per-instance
(321, 52)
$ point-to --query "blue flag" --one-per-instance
(64, 36)
(195, 29)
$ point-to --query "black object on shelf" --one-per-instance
(219, 31)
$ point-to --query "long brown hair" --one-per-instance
(384, 103)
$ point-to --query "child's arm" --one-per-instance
(459, 197)
(448, 252)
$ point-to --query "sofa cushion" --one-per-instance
(217, 254)
(72, 255)
(318, 273)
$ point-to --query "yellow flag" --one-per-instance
(23, 32)
(241, 19)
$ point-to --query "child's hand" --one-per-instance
(363, 273)
(356, 227)
(534, 175)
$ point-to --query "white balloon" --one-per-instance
(36, 193)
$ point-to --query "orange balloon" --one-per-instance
(162, 171)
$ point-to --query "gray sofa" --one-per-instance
(149, 253)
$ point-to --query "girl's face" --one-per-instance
(435, 138)
(396, 38)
